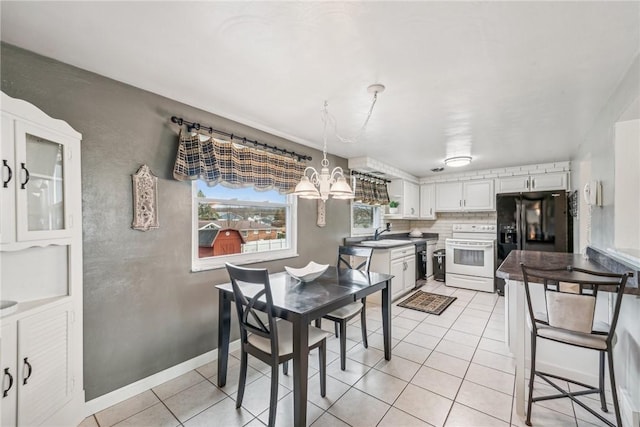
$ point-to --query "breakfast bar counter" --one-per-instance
(510, 268)
(517, 332)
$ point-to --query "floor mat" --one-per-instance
(427, 302)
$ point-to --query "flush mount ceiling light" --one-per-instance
(458, 161)
(314, 185)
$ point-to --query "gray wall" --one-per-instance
(144, 311)
(595, 159)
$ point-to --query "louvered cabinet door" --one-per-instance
(44, 363)
(8, 350)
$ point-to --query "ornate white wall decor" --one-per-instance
(322, 217)
(145, 199)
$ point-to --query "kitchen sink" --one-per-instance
(386, 243)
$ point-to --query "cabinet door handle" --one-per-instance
(9, 173)
(430, 211)
(460, 202)
(5, 392)
(533, 183)
(528, 183)
(29, 370)
(464, 202)
(26, 176)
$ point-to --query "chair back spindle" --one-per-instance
(345, 254)
(251, 287)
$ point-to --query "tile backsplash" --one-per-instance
(443, 225)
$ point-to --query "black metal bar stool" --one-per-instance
(570, 297)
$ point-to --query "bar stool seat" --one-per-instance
(596, 342)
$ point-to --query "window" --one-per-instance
(241, 226)
(365, 219)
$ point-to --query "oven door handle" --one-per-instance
(462, 245)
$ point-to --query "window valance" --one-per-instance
(216, 161)
(371, 191)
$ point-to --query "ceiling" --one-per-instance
(506, 82)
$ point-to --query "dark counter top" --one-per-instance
(426, 237)
(510, 268)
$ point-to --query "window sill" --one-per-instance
(243, 259)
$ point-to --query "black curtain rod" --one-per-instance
(370, 176)
(197, 126)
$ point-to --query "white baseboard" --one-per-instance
(105, 401)
(629, 413)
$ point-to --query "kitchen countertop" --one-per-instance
(354, 241)
(510, 268)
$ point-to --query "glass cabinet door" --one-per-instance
(41, 168)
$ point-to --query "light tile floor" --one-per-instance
(447, 370)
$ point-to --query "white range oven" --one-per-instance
(471, 257)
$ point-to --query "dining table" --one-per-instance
(302, 303)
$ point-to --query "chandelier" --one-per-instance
(314, 185)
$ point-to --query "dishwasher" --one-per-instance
(424, 254)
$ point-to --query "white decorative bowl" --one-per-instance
(309, 273)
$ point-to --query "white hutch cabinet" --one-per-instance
(40, 269)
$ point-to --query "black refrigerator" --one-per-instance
(532, 221)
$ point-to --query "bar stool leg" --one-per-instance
(603, 400)
(614, 392)
(532, 375)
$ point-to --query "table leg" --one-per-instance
(224, 330)
(386, 320)
(300, 370)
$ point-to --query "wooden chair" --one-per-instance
(270, 341)
(342, 315)
(570, 296)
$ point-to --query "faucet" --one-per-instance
(377, 234)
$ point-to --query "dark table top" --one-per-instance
(293, 296)
(510, 268)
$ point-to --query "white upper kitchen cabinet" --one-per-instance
(449, 196)
(462, 196)
(428, 201)
(407, 194)
(537, 182)
(478, 195)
